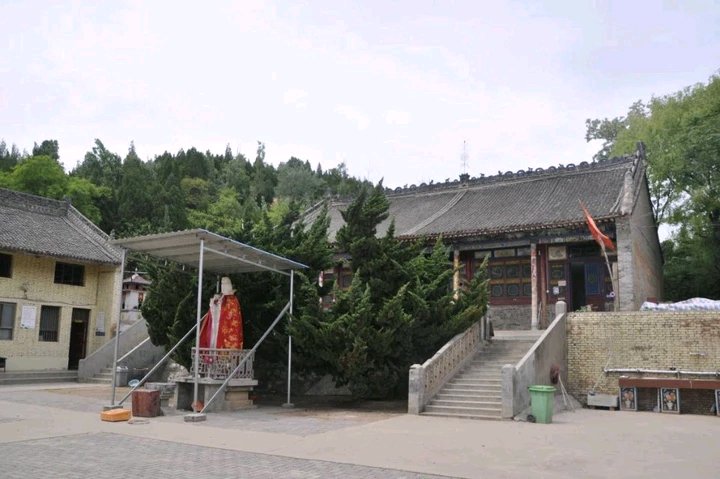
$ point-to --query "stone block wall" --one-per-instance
(685, 340)
(510, 317)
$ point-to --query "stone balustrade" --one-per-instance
(427, 379)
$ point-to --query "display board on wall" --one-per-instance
(28, 317)
(100, 324)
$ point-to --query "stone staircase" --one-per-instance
(38, 377)
(476, 391)
(103, 377)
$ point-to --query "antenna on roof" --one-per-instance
(464, 176)
(464, 157)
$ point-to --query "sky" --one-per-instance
(392, 89)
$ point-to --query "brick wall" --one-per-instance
(648, 340)
(32, 284)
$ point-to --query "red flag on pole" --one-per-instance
(595, 231)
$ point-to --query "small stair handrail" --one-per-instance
(427, 379)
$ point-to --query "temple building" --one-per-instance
(531, 228)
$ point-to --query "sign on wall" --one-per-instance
(29, 314)
(100, 324)
(557, 252)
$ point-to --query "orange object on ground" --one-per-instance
(115, 415)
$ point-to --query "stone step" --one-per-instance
(447, 396)
(465, 410)
(478, 377)
(464, 389)
(493, 364)
(516, 336)
(509, 345)
(481, 373)
(474, 382)
(462, 416)
(515, 350)
(96, 380)
(498, 360)
(504, 354)
(104, 376)
(501, 354)
(38, 373)
(106, 371)
(39, 378)
(466, 403)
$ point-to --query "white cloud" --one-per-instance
(351, 114)
(296, 97)
(394, 117)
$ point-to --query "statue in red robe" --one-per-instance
(222, 327)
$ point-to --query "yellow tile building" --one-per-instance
(59, 284)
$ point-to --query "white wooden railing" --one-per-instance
(220, 363)
(427, 379)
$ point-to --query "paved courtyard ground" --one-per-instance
(48, 432)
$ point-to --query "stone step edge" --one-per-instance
(462, 416)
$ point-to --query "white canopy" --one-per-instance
(211, 252)
(221, 255)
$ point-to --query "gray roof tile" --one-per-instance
(521, 201)
(54, 228)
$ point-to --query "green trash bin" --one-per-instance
(542, 399)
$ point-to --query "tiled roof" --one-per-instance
(522, 201)
(46, 227)
(136, 279)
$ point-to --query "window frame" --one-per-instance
(67, 273)
(43, 334)
(3, 305)
(6, 261)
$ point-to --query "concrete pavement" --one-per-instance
(39, 428)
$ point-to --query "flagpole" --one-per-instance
(603, 240)
(612, 277)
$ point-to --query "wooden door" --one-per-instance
(78, 337)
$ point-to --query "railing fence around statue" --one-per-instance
(216, 363)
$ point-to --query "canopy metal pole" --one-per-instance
(197, 326)
(118, 296)
(167, 355)
(292, 284)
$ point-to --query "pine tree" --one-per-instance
(398, 311)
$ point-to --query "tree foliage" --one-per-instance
(398, 311)
(681, 133)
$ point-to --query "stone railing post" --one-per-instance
(508, 391)
(560, 308)
(416, 389)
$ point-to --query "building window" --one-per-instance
(5, 265)
(7, 320)
(510, 278)
(73, 274)
(49, 323)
